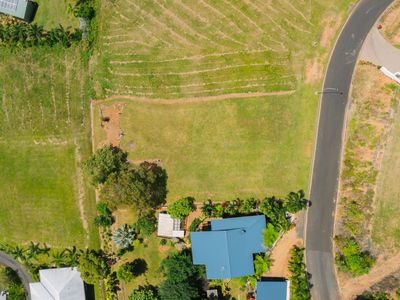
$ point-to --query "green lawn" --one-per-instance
(38, 197)
(51, 13)
(225, 149)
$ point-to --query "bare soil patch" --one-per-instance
(281, 254)
(314, 71)
(110, 122)
(330, 25)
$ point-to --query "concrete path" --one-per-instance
(8, 261)
(380, 52)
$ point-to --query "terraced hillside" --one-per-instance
(246, 60)
(176, 49)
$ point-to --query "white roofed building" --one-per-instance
(58, 284)
(169, 227)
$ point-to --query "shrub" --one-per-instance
(262, 263)
(351, 259)
(299, 287)
(104, 219)
(144, 293)
(195, 224)
(373, 296)
(163, 242)
(270, 235)
(275, 212)
(93, 266)
(146, 224)
(103, 162)
(182, 208)
(128, 271)
(248, 206)
(211, 210)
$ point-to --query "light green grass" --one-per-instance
(226, 149)
(44, 101)
(52, 13)
(37, 200)
(386, 224)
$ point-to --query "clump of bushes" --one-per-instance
(182, 208)
(146, 224)
(351, 259)
(373, 296)
(195, 224)
(299, 286)
(105, 218)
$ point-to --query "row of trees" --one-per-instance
(299, 286)
(26, 35)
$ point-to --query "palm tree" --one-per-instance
(35, 34)
(124, 236)
(72, 256)
(45, 250)
(18, 253)
(58, 258)
(33, 250)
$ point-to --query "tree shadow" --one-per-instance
(139, 266)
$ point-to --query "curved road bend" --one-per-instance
(8, 261)
(320, 218)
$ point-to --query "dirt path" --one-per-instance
(281, 254)
(354, 286)
(195, 99)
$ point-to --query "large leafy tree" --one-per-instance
(182, 208)
(105, 161)
(182, 278)
(143, 187)
(146, 224)
(93, 266)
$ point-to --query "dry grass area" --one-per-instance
(367, 176)
(391, 24)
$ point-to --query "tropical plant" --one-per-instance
(58, 258)
(105, 218)
(129, 270)
(33, 250)
(296, 201)
(144, 293)
(299, 286)
(248, 206)
(373, 296)
(93, 266)
(275, 212)
(195, 224)
(270, 235)
(211, 210)
(262, 263)
(124, 236)
(182, 208)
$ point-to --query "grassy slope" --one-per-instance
(43, 103)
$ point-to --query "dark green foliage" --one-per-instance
(195, 224)
(211, 210)
(26, 35)
(373, 296)
(231, 208)
(270, 235)
(104, 219)
(144, 293)
(93, 266)
(299, 287)
(142, 187)
(163, 242)
(16, 291)
(130, 270)
(146, 224)
(248, 206)
(275, 212)
(182, 208)
(296, 201)
(105, 161)
(351, 259)
(84, 9)
(182, 278)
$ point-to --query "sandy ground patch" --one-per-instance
(281, 254)
(110, 122)
(391, 24)
(330, 25)
(314, 71)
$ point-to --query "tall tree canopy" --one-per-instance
(143, 187)
(105, 161)
(182, 208)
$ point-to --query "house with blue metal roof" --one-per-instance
(21, 9)
(227, 250)
(273, 290)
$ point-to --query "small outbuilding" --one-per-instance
(21, 9)
(58, 284)
(273, 290)
(169, 227)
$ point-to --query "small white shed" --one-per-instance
(169, 227)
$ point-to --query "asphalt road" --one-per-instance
(8, 261)
(320, 219)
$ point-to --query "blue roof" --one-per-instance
(272, 290)
(227, 250)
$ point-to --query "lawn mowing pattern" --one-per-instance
(176, 49)
(238, 147)
(44, 110)
(36, 192)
